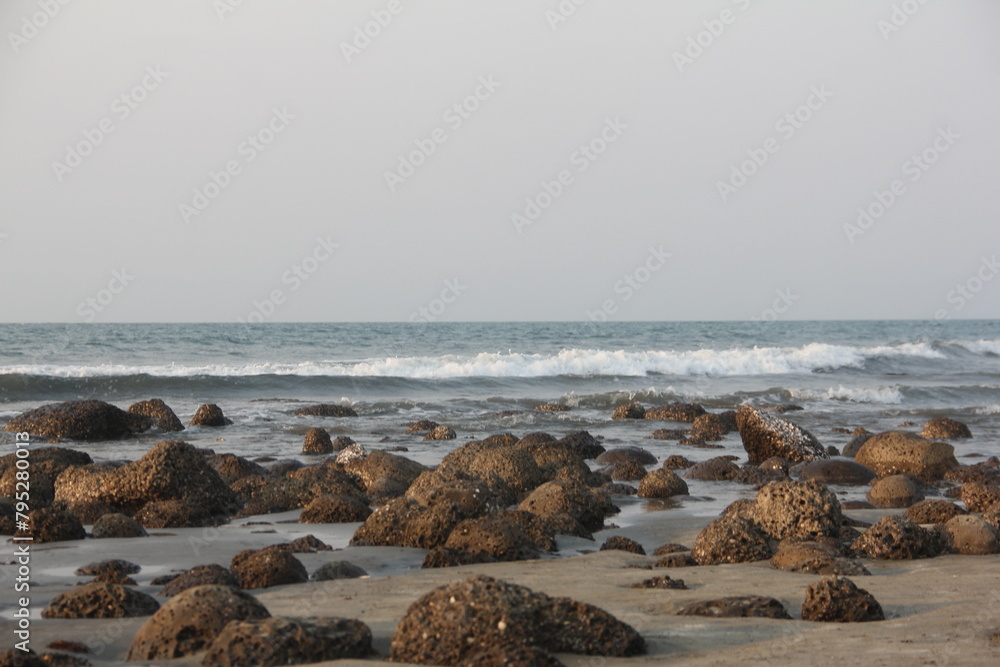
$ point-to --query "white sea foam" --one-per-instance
(883, 395)
(981, 346)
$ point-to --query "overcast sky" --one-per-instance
(730, 143)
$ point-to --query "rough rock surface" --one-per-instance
(453, 623)
(441, 432)
(232, 468)
(338, 569)
(326, 410)
(114, 565)
(945, 428)
(797, 509)
(200, 575)
(100, 600)
(662, 483)
(814, 558)
(895, 452)
(403, 522)
(285, 641)
(895, 491)
(744, 606)
(588, 507)
(79, 420)
(210, 414)
(731, 539)
(270, 566)
(979, 497)
(317, 441)
(53, 525)
(622, 543)
(971, 535)
(836, 471)
(934, 510)
(382, 474)
(838, 600)
(335, 509)
(163, 418)
(627, 455)
(439, 557)
(678, 412)
(895, 538)
(629, 411)
(765, 435)
(496, 535)
(583, 444)
(118, 525)
(190, 621)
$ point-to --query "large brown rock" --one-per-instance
(499, 536)
(765, 435)
(52, 525)
(662, 483)
(838, 600)
(731, 539)
(232, 468)
(971, 535)
(384, 475)
(513, 466)
(451, 624)
(797, 509)
(979, 497)
(334, 509)
(583, 444)
(317, 441)
(814, 558)
(678, 412)
(117, 525)
(945, 428)
(895, 538)
(264, 568)
(286, 641)
(709, 427)
(210, 414)
(743, 606)
(636, 455)
(895, 452)
(836, 471)
(934, 511)
(471, 497)
(163, 418)
(79, 420)
(100, 600)
(895, 491)
(191, 620)
(403, 522)
(587, 506)
(629, 411)
(200, 575)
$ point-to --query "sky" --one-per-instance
(493, 160)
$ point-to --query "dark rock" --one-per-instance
(232, 468)
(176, 514)
(115, 565)
(661, 583)
(263, 568)
(455, 622)
(895, 538)
(582, 504)
(629, 411)
(895, 491)
(852, 447)
(67, 645)
(582, 444)
(636, 455)
(620, 543)
(979, 497)
(338, 569)
(552, 407)
(406, 523)
(189, 622)
(509, 654)
(18, 658)
(163, 418)
(53, 525)
(317, 441)
(670, 548)
(421, 426)
(210, 414)
(471, 498)
(932, 511)
(100, 600)
(620, 489)
(662, 483)
(980, 472)
(945, 429)
(678, 412)
(836, 471)
(778, 464)
(334, 509)
(79, 420)
(200, 575)
(625, 472)
(285, 641)
(797, 509)
(675, 462)
(441, 432)
(439, 557)
(668, 434)
(814, 558)
(971, 535)
(992, 516)
(838, 600)
(383, 475)
(731, 539)
(765, 436)
(326, 410)
(534, 440)
(308, 544)
(496, 535)
(117, 525)
(895, 452)
(675, 560)
(709, 427)
(744, 606)
(514, 468)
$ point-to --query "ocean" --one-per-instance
(483, 378)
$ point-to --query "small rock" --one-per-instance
(200, 575)
(552, 407)
(636, 455)
(932, 511)
(439, 557)
(895, 491)
(838, 600)
(210, 414)
(675, 462)
(979, 497)
(285, 641)
(421, 426)
(263, 568)
(629, 411)
(836, 471)
(765, 436)
(117, 566)
(317, 441)
(895, 452)
(662, 483)
(945, 429)
(971, 535)
(52, 525)
(163, 418)
(731, 539)
(100, 600)
(117, 525)
(326, 410)
(335, 509)
(678, 412)
(662, 583)
(620, 543)
(339, 569)
(895, 538)
(744, 606)
(441, 433)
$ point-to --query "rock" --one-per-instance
(980, 472)
(675, 560)
(895, 538)
(115, 565)
(662, 483)
(232, 468)
(625, 472)
(992, 516)
(709, 427)
(744, 606)
(162, 417)
(514, 467)
(765, 436)
(317, 441)
(350, 453)
(117, 525)
(620, 543)
(895, 491)
(176, 514)
(334, 509)
(675, 462)
(661, 583)
(979, 497)
(441, 432)
(495, 535)
(585, 506)
(79, 420)
(945, 428)
(678, 412)
(200, 575)
(838, 600)
(636, 455)
(582, 444)
(731, 539)
(379, 468)
(421, 426)
(209, 414)
(506, 655)
(797, 509)
(629, 411)
(471, 498)
(836, 471)
(814, 558)
(455, 622)
(669, 434)
(18, 658)
(338, 569)
(264, 568)
(100, 600)
(307, 544)
(777, 464)
(286, 641)
(852, 447)
(189, 622)
(403, 522)
(326, 410)
(552, 407)
(439, 557)
(53, 525)
(903, 452)
(721, 468)
(932, 511)
(971, 535)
